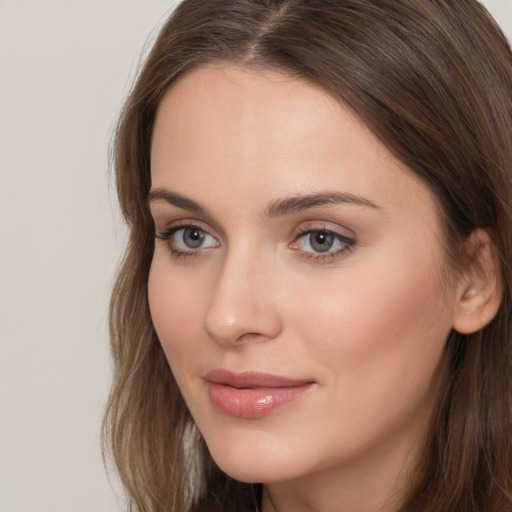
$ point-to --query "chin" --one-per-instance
(263, 460)
(253, 472)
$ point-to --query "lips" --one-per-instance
(252, 394)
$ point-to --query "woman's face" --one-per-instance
(295, 285)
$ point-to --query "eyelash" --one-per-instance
(348, 243)
(167, 233)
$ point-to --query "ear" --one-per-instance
(481, 285)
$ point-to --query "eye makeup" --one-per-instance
(313, 241)
(321, 244)
(187, 240)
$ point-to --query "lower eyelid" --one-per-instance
(347, 242)
(170, 230)
(167, 236)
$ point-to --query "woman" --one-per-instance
(314, 308)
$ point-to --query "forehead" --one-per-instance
(221, 130)
(223, 104)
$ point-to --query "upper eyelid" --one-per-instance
(302, 229)
(187, 223)
(206, 225)
(336, 234)
(317, 225)
(173, 227)
(167, 233)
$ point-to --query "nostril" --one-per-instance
(251, 336)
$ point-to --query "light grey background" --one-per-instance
(65, 66)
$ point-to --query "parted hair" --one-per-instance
(433, 80)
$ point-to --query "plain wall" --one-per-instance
(65, 67)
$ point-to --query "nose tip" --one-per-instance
(241, 325)
(233, 332)
(241, 309)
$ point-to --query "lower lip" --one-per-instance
(253, 402)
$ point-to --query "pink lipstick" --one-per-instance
(252, 394)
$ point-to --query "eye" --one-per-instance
(190, 238)
(322, 243)
(319, 241)
(184, 240)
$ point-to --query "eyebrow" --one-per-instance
(300, 203)
(162, 194)
(277, 207)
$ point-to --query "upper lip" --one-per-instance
(249, 379)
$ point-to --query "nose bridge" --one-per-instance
(241, 305)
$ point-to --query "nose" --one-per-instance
(243, 305)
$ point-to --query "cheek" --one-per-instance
(176, 305)
(380, 334)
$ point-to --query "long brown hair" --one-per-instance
(433, 80)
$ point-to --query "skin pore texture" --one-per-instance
(341, 291)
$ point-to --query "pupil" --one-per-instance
(193, 238)
(322, 241)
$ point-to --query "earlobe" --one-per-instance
(481, 286)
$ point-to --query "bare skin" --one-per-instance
(342, 291)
